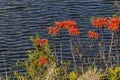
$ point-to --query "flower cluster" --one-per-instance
(92, 34)
(42, 61)
(74, 31)
(41, 42)
(70, 25)
(99, 22)
(53, 30)
(113, 24)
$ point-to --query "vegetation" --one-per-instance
(43, 64)
(113, 74)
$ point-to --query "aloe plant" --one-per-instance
(113, 74)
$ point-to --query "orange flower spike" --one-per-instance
(113, 24)
(95, 23)
(102, 22)
(53, 30)
(41, 41)
(70, 24)
(50, 30)
(99, 22)
(38, 40)
(42, 60)
(44, 41)
(113, 27)
(59, 24)
(92, 34)
(39, 63)
(74, 31)
(65, 25)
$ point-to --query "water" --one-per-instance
(20, 19)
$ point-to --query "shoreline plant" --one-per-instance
(44, 64)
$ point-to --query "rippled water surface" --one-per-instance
(20, 19)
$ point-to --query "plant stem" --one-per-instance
(110, 50)
(61, 54)
(100, 54)
(117, 47)
(73, 54)
(117, 44)
(100, 48)
(61, 47)
(55, 48)
(103, 53)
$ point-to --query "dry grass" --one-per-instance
(51, 75)
(90, 74)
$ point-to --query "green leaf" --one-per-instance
(112, 73)
(32, 38)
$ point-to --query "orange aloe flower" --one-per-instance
(99, 22)
(92, 34)
(44, 41)
(53, 30)
(59, 24)
(69, 24)
(74, 31)
(38, 40)
(42, 61)
(41, 41)
(113, 24)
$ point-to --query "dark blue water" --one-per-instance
(20, 19)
